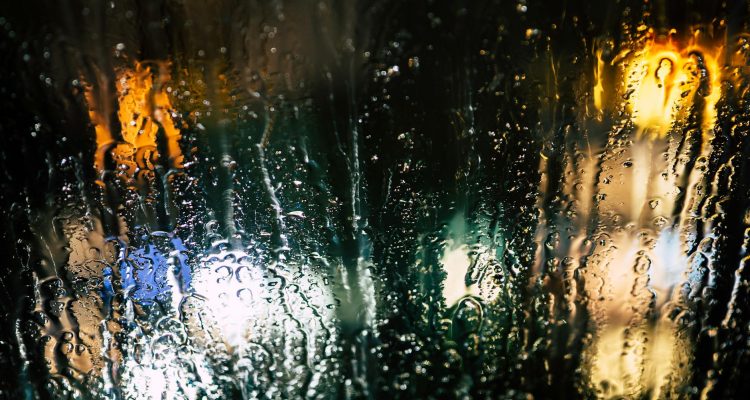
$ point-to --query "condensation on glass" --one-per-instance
(374, 199)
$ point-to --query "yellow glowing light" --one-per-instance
(599, 87)
(143, 107)
(664, 80)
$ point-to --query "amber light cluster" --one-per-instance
(144, 108)
(664, 80)
(660, 85)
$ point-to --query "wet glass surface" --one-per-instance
(374, 199)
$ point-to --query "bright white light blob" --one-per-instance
(456, 263)
(239, 308)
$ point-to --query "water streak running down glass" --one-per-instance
(283, 199)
